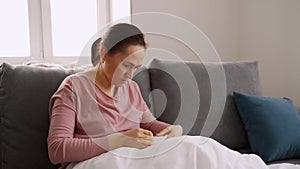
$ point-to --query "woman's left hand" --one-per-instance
(171, 131)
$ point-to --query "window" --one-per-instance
(53, 30)
(70, 30)
(120, 13)
(14, 30)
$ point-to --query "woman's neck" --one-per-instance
(102, 80)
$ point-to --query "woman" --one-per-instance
(102, 109)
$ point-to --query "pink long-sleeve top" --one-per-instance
(82, 115)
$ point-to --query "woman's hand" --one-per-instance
(171, 131)
(136, 138)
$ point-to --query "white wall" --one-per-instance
(264, 30)
(270, 33)
(217, 19)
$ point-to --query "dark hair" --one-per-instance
(117, 39)
(120, 36)
(95, 54)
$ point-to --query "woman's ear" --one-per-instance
(103, 53)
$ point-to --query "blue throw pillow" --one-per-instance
(272, 125)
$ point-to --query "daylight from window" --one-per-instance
(73, 24)
(54, 30)
(14, 30)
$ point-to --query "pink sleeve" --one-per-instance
(155, 126)
(62, 146)
(148, 120)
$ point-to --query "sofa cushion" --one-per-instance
(24, 97)
(168, 78)
(272, 125)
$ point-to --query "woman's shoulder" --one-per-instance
(74, 79)
(75, 76)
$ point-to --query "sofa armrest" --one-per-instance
(25, 92)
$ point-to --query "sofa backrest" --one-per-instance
(177, 85)
(25, 92)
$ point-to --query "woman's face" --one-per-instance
(121, 66)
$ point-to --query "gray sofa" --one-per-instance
(25, 92)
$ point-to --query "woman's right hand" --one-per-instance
(136, 138)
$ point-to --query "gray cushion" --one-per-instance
(243, 77)
(24, 97)
(169, 78)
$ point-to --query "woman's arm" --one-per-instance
(67, 140)
(155, 126)
(148, 120)
(62, 146)
(160, 128)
